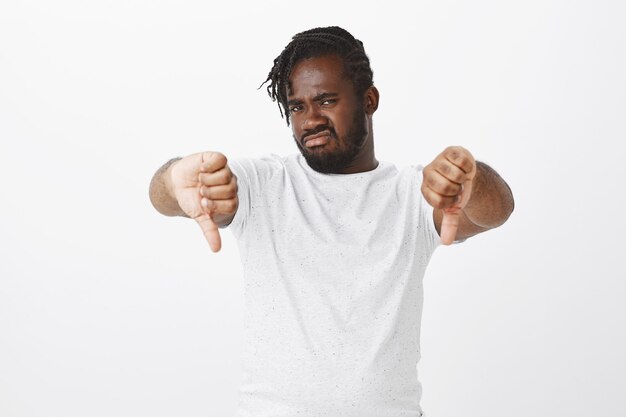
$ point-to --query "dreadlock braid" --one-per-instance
(313, 43)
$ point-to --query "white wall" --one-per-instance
(109, 309)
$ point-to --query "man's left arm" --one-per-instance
(469, 197)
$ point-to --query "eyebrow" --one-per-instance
(319, 97)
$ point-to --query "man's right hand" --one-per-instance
(206, 191)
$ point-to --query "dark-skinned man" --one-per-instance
(334, 243)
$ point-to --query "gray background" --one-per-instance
(108, 309)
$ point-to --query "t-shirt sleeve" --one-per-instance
(426, 212)
(252, 177)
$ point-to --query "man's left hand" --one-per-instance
(447, 186)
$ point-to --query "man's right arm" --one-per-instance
(199, 186)
(160, 191)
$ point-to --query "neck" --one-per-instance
(365, 160)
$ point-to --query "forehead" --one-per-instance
(319, 74)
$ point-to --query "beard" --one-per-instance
(347, 148)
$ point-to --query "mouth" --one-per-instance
(317, 139)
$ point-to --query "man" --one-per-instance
(334, 243)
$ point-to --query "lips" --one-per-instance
(317, 139)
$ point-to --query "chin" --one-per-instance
(328, 162)
(329, 158)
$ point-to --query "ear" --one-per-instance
(371, 100)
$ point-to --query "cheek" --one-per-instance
(297, 132)
(343, 123)
(295, 128)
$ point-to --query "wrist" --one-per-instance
(168, 180)
(162, 191)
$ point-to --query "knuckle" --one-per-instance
(214, 161)
(451, 188)
(455, 152)
(460, 157)
(430, 181)
(452, 151)
(220, 159)
(458, 177)
(222, 177)
(440, 201)
(456, 148)
(446, 189)
(209, 206)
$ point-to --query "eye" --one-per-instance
(295, 109)
(328, 101)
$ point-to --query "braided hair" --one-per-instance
(314, 43)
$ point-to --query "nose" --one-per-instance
(313, 119)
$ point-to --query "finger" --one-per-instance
(466, 193)
(450, 225)
(211, 232)
(219, 192)
(450, 171)
(212, 207)
(221, 177)
(441, 185)
(460, 157)
(212, 161)
(439, 201)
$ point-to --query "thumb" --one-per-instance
(451, 215)
(211, 232)
(449, 225)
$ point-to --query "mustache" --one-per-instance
(317, 130)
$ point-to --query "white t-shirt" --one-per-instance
(333, 267)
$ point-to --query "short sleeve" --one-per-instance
(426, 211)
(252, 177)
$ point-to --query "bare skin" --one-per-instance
(468, 197)
(322, 100)
(201, 187)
